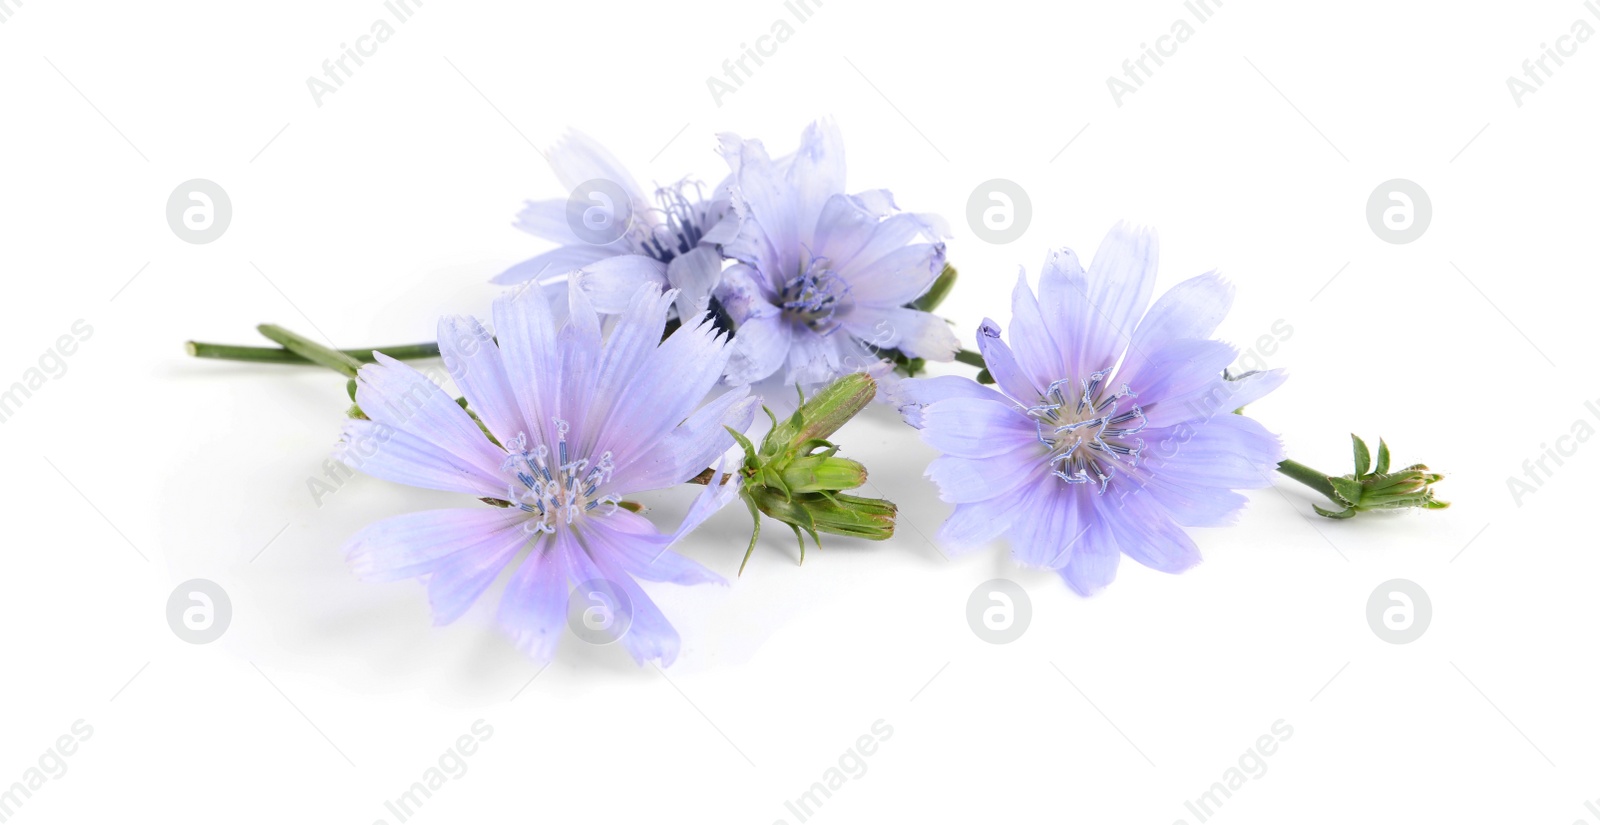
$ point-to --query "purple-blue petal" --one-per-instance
(533, 609)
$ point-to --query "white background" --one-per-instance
(1253, 150)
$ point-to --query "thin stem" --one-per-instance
(278, 355)
(1311, 478)
(311, 350)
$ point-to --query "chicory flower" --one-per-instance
(566, 423)
(1111, 427)
(824, 279)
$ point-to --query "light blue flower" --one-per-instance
(663, 241)
(580, 420)
(1110, 428)
(823, 278)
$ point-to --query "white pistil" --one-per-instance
(1088, 437)
(556, 492)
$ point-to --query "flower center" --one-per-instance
(684, 222)
(814, 296)
(1086, 434)
(553, 488)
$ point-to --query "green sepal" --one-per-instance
(755, 532)
(1363, 457)
(744, 443)
(1347, 489)
(930, 300)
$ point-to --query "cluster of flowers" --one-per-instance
(634, 360)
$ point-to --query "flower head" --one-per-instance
(824, 279)
(614, 237)
(566, 423)
(1111, 427)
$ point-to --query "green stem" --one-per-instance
(1311, 478)
(311, 350)
(278, 355)
(971, 359)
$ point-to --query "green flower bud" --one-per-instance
(822, 473)
(847, 515)
(1373, 487)
(839, 514)
(821, 416)
(797, 477)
